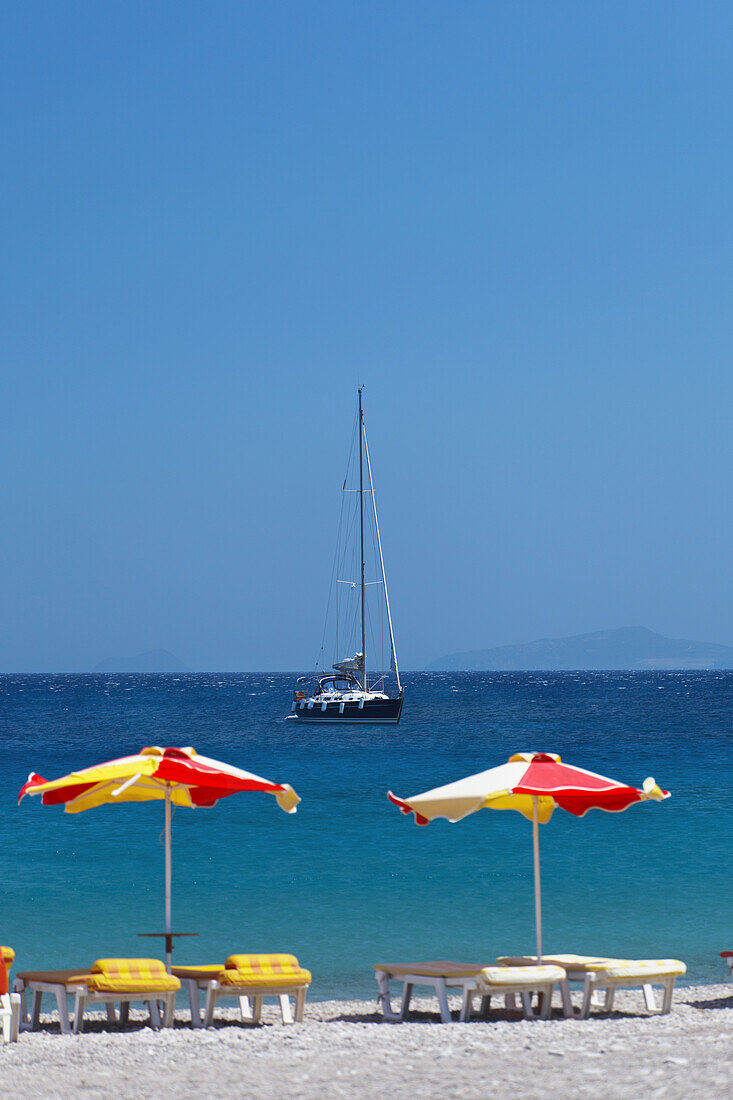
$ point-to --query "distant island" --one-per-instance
(155, 660)
(631, 647)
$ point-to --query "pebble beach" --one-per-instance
(344, 1049)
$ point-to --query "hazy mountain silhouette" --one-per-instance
(155, 660)
(631, 647)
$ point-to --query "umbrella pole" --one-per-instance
(168, 941)
(537, 888)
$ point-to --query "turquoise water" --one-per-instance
(348, 881)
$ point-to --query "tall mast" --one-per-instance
(363, 563)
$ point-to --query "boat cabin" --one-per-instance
(343, 681)
(338, 683)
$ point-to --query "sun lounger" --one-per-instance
(442, 976)
(107, 982)
(604, 975)
(575, 967)
(631, 974)
(9, 1002)
(57, 983)
(506, 981)
(248, 978)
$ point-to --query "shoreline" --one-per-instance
(345, 1049)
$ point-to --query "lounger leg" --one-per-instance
(649, 998)
(467, 1006)
(14, 1016)
(80, 1005)
(485, 1006)
(169, 1008)
(300, 1004)
(526, 999)
(510, 1002)
(256, 1009)
(384, 997)
(545, 1005)
(210, 1003)
(36, 1018)
(285, 1008)
(10, 1005)
(668, 993)
(19, 987)
(406, 998)
(193, 1001)
(610, 994)
(111, 1014)
(587, 998)
(154, 1014)
(63, 1011)
(245, 1008)
(567, 1002)
(124, 1013)
(442, 996)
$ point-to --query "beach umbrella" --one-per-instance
(533, 784)
(179, 777)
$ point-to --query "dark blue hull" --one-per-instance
(374, 711)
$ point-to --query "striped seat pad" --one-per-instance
(441, 969)
(8, 955)
(643, 969)
(199, 973)
(568, 962)
(495, 977)
(273, 971)
(131, 976)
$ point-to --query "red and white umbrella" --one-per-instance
(533, 784)
(180, 777)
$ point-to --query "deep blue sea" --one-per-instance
(348, 881)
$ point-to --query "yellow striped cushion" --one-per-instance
(269, 970)
(8, 956)
(199, 973)
(131, 976)
(642, 968)
(569, 962)
(530, 976)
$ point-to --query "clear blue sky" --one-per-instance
(511, 222)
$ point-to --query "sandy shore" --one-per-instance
(343, 1049)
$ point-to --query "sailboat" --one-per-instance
(354, 689)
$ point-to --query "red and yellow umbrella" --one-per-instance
(179, 777)
(534, 784)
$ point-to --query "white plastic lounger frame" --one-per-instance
(592, 971)
(83, 997)
(440, 983)
(609, 981)
(56, 989)
(10, 1016)
(507, 982)
(250, 1000)
(86, 997)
